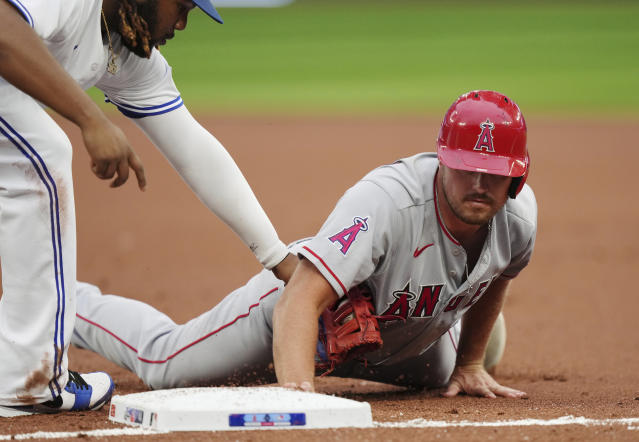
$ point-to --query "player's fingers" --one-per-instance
(479, 390)
(485, 392)
(138, 168)
(453, 389)
(110, 170)
(101, 168)
(97, 168)
(304, 386)
(508, 392)
(123, 174)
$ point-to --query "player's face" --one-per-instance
(474, 197)
(164, 17)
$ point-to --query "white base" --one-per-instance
(237, 408)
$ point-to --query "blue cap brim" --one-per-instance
(209, 9)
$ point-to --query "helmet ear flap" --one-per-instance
(517, 184)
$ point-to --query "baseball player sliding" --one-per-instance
(402, 284)
(50, 50)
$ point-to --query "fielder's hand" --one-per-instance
(111, 153)
(475, 381)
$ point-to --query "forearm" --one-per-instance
(26, 63)
(477, 323)
(295, 325)
(294, 340)
(469, 375)
(215, 178)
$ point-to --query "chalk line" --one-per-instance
(564, 420)
(69, 434)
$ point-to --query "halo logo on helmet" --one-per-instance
(484, 131)
(485, 139)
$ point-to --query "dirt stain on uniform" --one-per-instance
(39, 378)
(58, 357)
(31, 175)
(36, 380)
(63, 201)
(60, 193)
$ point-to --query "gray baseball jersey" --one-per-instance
(384, 232)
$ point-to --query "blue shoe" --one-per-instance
(83, 392)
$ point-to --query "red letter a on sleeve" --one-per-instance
(347, 236)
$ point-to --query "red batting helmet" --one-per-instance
(484, 131)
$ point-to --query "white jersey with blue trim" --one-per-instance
(37, 226)
(386, 232)
(141, 87)
(71, 31)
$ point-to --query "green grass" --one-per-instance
(401, 56)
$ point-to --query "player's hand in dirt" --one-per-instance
(474, 380)
(111, 153)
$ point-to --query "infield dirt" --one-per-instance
(573, 340)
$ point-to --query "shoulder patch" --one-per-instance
(347, 236)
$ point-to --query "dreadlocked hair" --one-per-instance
(134, 29)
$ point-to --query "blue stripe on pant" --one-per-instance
(54, 207)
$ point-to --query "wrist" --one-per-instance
(469, 362)
(284, 270)
(89, 116)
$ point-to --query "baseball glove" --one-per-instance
(347, 330)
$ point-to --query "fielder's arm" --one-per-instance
(26, 63)
(212, 174)
(295, 320)
(469, 375)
